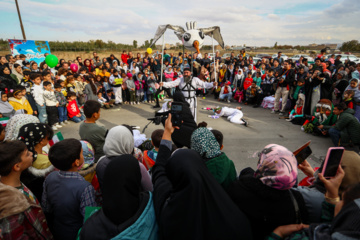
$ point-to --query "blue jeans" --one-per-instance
(227, 95)
(335, 136)
(78, 119)
(62, 113)
(42, 113)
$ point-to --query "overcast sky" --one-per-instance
(254, 23)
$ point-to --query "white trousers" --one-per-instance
(236, 117)
(118, 94)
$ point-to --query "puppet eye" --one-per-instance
(201, 33)
(187, 36)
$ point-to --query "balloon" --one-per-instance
(74, 67)
(149, 50)
(51, 60)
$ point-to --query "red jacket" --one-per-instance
(73, 109)
(247, 83)
(124, 58)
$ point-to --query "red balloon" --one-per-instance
(74, 67)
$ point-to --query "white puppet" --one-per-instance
(193, 39)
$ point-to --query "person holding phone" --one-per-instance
(341, 217)
(346, 130)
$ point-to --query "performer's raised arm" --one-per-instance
(171, 84)
(202, 84)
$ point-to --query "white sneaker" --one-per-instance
(137, 103)
(62, 124)
(54, 128)
(228, 101)
(58, 125)
(66, 122)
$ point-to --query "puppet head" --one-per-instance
(193, 38)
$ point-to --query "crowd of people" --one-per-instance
(103, 187)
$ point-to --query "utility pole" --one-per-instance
(21, 25)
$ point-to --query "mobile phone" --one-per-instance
(176, 113)
(332, 161)
(302, 152)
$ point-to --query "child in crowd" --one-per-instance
(226, 92)
(38, 94)
(63, 88)
(66, 193)
(104, 103)
(70, 84)
(28, 84)
(73, 109)
(115, 82)
(268, 82)
(257, 78)
(79, 87)
(131, 87)
(92, 132)
(151, 80)
(51, 106)
(150, 156)
(348, 98)
(219, 137)
(62, 105)
(139, 84)
(18, 101)
(23, 218)
(248, 81)
(6, 109)
(36, 136)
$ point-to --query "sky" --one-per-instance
(253, 23)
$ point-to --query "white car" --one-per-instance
(297, 57)
(282, 56)
(352, 58)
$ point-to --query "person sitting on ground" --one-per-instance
(73, 108)
(92, 132)
(6, 109)
(120, 141)
(66, 214)
(226, 92)
(254, 95)
(21, 216)
(104, 103)
(220, 166)
(265, 195)
(150, 156)
(128, 212)
(346, 131)
(183, 175)
(36, 136)
(18, 101)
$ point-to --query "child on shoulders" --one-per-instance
(150, 156)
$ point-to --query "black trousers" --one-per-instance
(53, 115)
(167, 90)
(257, 99)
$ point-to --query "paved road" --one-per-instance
(241, 143)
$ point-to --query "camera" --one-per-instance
(159, 117)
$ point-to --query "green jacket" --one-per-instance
(223, 169)
(349, 127)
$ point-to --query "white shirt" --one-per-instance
(195, 83)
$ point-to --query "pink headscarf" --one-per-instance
(277, 167)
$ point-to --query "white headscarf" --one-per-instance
(119, 141)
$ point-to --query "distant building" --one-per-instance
(331, 47)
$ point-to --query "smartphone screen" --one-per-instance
(176, 110)
(333, 162)
(303, 154)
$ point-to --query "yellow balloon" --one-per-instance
(149, 50)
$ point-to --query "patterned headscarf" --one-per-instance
(31, 134)
(16, 122)
(88, 153)
(277, 167)
(204, 142)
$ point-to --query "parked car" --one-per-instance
(352, 58)
(283, 56)
(263, 55)
(297, 57)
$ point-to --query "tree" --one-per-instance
(275, 45)
(135, 44)
(350, 46)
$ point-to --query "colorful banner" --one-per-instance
(33, 50)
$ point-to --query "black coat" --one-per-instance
(266, 207)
